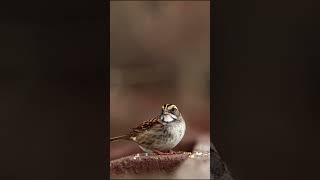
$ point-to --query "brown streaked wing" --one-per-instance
(146, 125)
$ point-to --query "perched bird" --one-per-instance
(159, 134)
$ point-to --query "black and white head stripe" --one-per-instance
(169, 106)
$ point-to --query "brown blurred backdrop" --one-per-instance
(159, 54)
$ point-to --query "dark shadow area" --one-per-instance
(53, 74)
(266, 88)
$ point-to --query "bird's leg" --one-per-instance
(160, 152)
(175, 152)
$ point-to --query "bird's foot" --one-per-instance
(173, 152)
(170, 152)
(176, 152)
(164, 153)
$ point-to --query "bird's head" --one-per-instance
(169, 112)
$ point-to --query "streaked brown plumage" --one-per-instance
(161, 133)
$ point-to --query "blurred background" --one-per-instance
(160, 53)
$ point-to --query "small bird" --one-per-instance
(159, 134)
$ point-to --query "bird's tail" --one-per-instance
(123, 137)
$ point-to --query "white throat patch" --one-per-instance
(169, 117)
